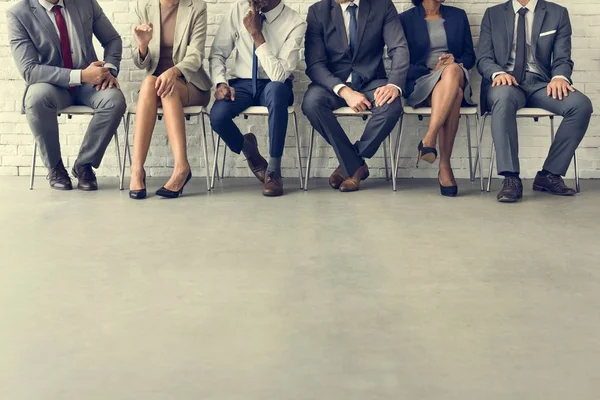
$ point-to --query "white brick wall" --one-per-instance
(16, 139)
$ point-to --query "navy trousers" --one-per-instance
(276, 96)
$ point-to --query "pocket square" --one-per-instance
(548, 33)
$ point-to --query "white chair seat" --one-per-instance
(534, 112)
(427, 110)
(348, 112)
(259, 110)
(77, 110)
(191, 110)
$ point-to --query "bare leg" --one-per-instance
(447, 134)
(174, 120)
(145, 120)
(442, 101)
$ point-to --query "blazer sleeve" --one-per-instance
(107, 35)
(468, 51)
(316, 54)
(146, 62)
(26, 57)
(486, 60)
(194, 53)
(393, 37)
(562, 64)
(415, 71)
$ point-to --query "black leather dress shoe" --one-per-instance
(86, 177)
(553, 184)
(512, 190)
(59, 177)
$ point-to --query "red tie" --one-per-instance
(65, 44)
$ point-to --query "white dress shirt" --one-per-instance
(530, 63)
(283, 30)
(346, 15)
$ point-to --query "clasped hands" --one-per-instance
(359, 102)
(97, 75)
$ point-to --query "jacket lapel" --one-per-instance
(363, 17)
(184, 13)
(538, 20)
(510, 28)
(340, 27)
(42, 16)
(78, 26)
(153, 13)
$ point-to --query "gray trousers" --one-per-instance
(505, 101)
(318, 106)
(42, 103)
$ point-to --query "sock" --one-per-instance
(507, 174)
(248, 148)
(274, 165)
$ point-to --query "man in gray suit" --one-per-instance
(51, 42)
(344, 56)
(524, 56)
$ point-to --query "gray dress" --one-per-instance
(424, 85)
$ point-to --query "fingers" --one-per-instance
(513, 80)
(565, 91)
(159, 85)
(232, 93)
(549, 89)
(571, 88)
(379, 92)
(105, 84)
(366, 103)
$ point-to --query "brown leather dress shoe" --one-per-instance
(273, 186)
(352, 184)
(553, 184)
(336, 178)
(59, 177)
(256, 162)
(86, 177)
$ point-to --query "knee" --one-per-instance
(393, 111)
(148, 85)
(218, 114)
(453, 72)
(113, 101)
(584, 106)
(277, 93)
(39, 97)
(501, 97)
(313, 103)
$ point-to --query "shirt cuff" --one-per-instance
(338, 88)
(494, 75)
(562, 77)
(75, 78)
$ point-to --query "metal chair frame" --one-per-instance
(70, 112)
(255, 111)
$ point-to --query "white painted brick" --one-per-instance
(16, 141)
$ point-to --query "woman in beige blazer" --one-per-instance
(170, 46)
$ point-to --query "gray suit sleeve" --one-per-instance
(562, 64)
(316, 54)
(486, 60)
(108, 37)
(26, 57)
(395, 40)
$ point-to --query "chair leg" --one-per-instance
(577, 187)
(212, 136)
(396, 164)
(551, 130)
(471, 175)
(206, 160)
(215, 165)
(298, 147)
(309, 158)
(390, 152)
(479, 136)
(224, 157)
(492, 155)
(32, 177)
(385, 162)
(126, 151)
(118, 154)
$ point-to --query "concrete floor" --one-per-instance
(318, 295)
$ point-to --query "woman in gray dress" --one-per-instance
(441, 53)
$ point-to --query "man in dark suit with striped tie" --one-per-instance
(344, 57)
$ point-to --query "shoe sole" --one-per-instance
(87, 189)
(538, 188)
(273, 194)
(430, 158)
(508, 200)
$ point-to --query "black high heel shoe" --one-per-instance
(169, 194)
(139, 194)
(428, 154)
(448, 191)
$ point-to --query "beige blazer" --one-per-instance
(188, 44)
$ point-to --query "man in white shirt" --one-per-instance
(267, 36)
(51, 42)
(344, 48)
(527, 63)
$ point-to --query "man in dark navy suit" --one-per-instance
(344, 56)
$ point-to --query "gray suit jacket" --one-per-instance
(552, 51)
(328, 58)
(35, 45)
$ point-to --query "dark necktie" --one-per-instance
(65, 43)
(353, 39)
(521, 56)
(255, 63)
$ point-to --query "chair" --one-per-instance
(69, 112)
(347, 112)
(257, 111)
(423, 112)
(188, 113)
(536, 114)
